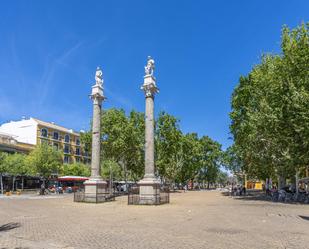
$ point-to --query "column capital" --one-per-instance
(97, 93)
(149, 87)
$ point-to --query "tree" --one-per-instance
(191, 154)
(123, 140)
(269, 111)
(178, 156)
(76, 169)
(3, 168)
(211, 158)
(45, 160)
(222, 178)
(16, 166)
(168, 136)
(111, 170)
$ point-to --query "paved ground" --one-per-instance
(192, 220)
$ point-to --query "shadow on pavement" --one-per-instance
(257, 195)
(9, 226)
(304, 217)
(250, 196)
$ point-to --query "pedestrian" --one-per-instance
(185, 188)
(42, 190)
(244, 190)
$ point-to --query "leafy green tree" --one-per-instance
(269, 111)
(111, 169)
(133, 159)
(3, 168)
(222, 178)
(211, 159)
(169, 160)
(123, 140)
(191, 154)
(45, 160)
(231, 160)
(76, 169)
(16, 166)
(179, 157)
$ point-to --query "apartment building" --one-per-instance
(34, 131)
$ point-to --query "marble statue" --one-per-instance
(149, 68)
(99, 77)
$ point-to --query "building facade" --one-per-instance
(32, 132)
(10, 145)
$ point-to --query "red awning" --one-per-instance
(72, 178)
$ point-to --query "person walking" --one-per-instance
(185, 188)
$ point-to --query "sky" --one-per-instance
(49, 51)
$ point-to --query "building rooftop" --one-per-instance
(54, 126)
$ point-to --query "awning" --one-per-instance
(72, 178)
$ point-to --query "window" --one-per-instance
(67, 138)
(66, 148)
(56, 135)
(77, 151)
(44, 132)
(77, 141)
(66, 159)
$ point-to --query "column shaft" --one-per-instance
(149, 137)
(96, 140)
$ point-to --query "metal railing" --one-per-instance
(98, 197)
(161, 196)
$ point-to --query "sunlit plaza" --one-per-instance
(154, 125)
(197, 219)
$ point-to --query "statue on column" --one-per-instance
(149, 68)
(99, 77)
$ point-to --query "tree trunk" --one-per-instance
(281, 182)
(296, 182)
(126, 177)
(13, 185)
(1, 183)
(208, 185)
(22, 183)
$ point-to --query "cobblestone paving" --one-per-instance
(192, 220)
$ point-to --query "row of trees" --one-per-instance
(179, 157)
(270, 114)
(43, 161)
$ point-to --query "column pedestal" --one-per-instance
(96, 190)
(149, 191)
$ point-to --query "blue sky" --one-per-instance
(49, 51)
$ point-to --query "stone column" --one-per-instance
(149, 186)
(149, 137)
(96, 141)
(95, 187)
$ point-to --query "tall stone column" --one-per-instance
(96, 187)
(149, 186)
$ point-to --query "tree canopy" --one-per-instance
(45, 160)
(179, 157)
(270, 114)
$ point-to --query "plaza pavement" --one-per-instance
(204, 219)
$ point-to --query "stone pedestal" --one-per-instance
(95, 190)
(149, 191)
